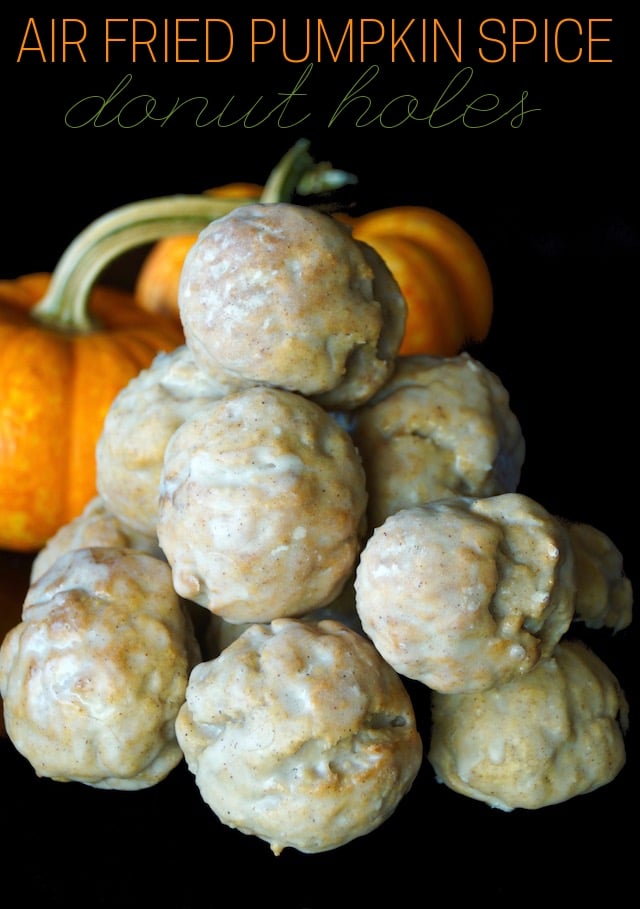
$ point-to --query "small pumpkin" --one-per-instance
(56, 385)
(441, 271)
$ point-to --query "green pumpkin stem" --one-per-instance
(297, 173)
(65, 305)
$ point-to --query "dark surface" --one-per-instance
(553, 205)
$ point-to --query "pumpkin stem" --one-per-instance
(65, 306)
(297, 172)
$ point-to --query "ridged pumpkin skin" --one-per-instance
(435, 322)
(55, 389)
(468, 292)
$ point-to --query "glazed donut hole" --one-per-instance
(604, 596)
(93, 676)
(141, 420)
(440, 426)
(299, 733)
(463, 594)
(262, 506)
(283, 295)
(292, 522)
(96, 525)
(541, 738)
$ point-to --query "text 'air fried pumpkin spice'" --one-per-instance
(297, 512)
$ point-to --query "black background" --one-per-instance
(553, 206)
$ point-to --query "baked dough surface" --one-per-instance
(300, 734)
(438, 427)
(545, 737)
(604, 595)
(96, 525)
(141, 420)
(283, 295)
(463, 594)
(262, 506)
(93, 676)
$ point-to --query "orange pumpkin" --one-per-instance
(441, 271)
(434, 321)
(56, 385)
